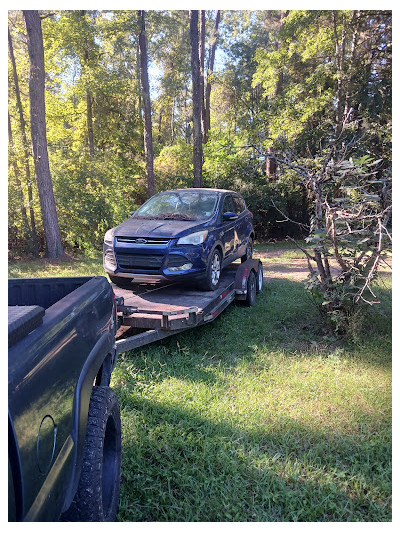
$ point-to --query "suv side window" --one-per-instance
(239, 204)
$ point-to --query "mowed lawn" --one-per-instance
(258, 416)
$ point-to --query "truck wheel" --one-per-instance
(259, 278)
(97, 497)
(213, 273)
(249, 251)
(251, 290)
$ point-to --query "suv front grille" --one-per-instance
(143, 240)
(139, 261)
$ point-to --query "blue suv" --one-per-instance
(181, 234)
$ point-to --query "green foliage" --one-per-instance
(173, 167)
(228, 166)
(304, 109)
(99, 193)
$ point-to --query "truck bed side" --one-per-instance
(51, 374)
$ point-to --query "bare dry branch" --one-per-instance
(309, 257)
(373, 268)
(287, 219)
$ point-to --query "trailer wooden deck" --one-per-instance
(152, 311)
(170, 305)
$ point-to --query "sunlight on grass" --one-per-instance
(44, 268)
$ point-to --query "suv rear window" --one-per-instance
(228, 206)
(239, 204)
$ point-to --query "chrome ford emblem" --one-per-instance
(141, 241)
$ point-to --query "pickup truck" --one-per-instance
(64, 427)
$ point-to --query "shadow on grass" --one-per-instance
(179, 466)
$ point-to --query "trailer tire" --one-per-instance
(251, 290)
(259, 280)
(97, 497)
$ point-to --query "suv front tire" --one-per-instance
(213, 272)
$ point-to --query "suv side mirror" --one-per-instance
(229, 216)
(131, 213)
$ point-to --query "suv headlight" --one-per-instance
(194, 238)
(108, 237)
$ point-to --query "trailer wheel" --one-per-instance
(97, 497)
(251, 290)
(259, 284)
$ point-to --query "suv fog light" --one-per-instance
(186, 266)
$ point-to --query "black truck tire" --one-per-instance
(97, 497)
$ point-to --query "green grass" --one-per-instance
(286, 249)
(258, 416)
(255, 418)
(89, 265)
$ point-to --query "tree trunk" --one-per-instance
(33, 245)
(355, 23)
(89, 102)
(89, 110)
(340, 94)
(202, 44)
(188, 131)
(39, 136)
(271, 166)
(196, 99)
(159, 138)
(144, 76)
(207, 122)
(25, 223)
(139, 82)
(172, 125)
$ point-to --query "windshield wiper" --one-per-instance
(176, 216)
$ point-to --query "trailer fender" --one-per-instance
(242, 275)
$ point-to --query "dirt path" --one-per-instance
(294, 269)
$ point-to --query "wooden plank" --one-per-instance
(155, 321)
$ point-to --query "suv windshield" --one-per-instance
(179, 205)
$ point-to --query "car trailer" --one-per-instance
(148, 312)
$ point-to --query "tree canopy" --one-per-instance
(275, 80)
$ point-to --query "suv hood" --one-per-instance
(157, 228)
